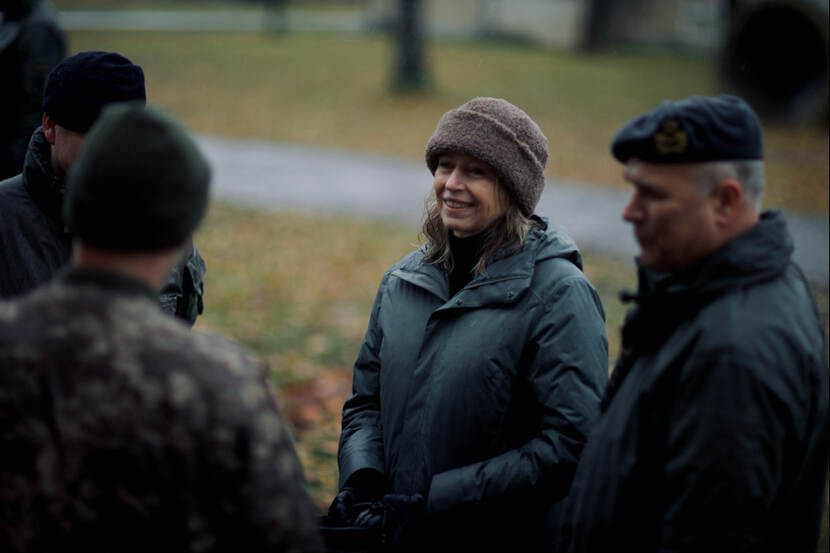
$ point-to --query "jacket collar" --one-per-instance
(666, 300)
(508, 273)
(45, 189)
(761, 253)
(107, 280)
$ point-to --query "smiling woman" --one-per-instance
(481, 370)
(467, 194)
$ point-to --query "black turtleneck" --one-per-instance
(465, 253)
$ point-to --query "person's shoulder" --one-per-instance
(408, 262)
(765, 333)
(558, 260)
(225, 351)
(17, 205)
(12, 189)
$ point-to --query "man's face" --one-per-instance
(66, 145)
(673, 219)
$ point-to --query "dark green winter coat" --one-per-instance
(480, 402)
(714, 436)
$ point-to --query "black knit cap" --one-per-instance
(695, 129)
(140, 182)
(79, 86)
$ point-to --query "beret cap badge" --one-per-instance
(670, 138)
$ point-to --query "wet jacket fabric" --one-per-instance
(36, 243)
(124, 430)
(480, 402)
(31, 44)
(714, 430)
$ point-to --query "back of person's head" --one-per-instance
(140, 182)
(79, 87)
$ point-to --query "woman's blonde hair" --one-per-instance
(510, 227)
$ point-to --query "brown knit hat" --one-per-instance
(497, 132)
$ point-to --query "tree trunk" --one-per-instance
(409, 71)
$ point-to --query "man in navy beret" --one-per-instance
(36, 242)
(714, 434)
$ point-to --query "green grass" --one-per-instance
(332, 90)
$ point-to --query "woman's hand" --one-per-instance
(361, 490)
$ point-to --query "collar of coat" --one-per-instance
(664, 301)
(761, 253)
(40, 182)
(508, 273)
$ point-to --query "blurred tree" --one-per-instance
(276, 18)
(410, 73)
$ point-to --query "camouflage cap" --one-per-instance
(140, 182)
(694, 129)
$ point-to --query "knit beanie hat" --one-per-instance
(79, 86)
(497, 132)
(140, 182)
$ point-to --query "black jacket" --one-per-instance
(480, 402)
(714, 430)
(36, 243)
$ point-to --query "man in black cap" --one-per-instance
(120, 428)
(713, 435)
(36, 241)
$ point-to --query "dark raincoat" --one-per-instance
(714, 430)
(480, 402)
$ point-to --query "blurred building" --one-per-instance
(572, 23)
(773, 52)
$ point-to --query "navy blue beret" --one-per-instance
(695, 129)
(79, 86)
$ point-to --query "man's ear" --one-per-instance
(729, 200)
(48, 128)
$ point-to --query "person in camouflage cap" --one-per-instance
(120, 428)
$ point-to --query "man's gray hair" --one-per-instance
(750, 173)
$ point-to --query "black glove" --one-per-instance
(357, 495)
(398, 515)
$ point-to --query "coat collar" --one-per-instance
(107, 280)
(40, 182)
(508, 275)
(759, 254)
(664, 301)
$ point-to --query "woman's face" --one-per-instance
(466, 193)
